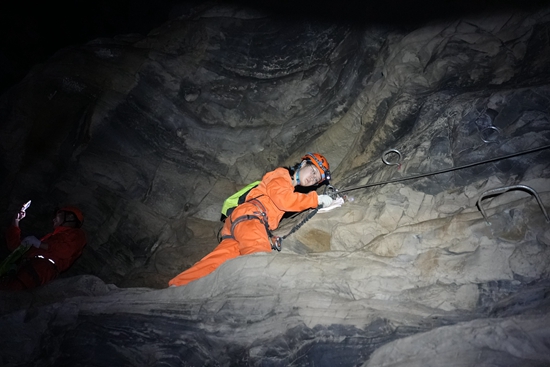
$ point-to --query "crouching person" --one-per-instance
(48, 256)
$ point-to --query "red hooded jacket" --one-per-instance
(65, 245)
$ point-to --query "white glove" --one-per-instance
(335, 204)
(325, 200)
(31, 241)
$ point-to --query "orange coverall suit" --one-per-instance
(65, 245)
(276, 194)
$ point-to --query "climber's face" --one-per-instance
(58, 219)
(309, 175)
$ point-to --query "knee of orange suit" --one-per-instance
(227, 249)
(252, 237)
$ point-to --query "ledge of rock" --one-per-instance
(149, 134)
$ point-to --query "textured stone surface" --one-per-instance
(150, 134)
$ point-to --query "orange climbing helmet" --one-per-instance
(321, 163)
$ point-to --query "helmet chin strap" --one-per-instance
(64, 218)
(297, 175)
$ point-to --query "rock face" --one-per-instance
(148, 135)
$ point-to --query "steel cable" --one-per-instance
(446, 169)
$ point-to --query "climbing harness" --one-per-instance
(260, 215)
(239, 197)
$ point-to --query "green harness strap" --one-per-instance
(12, 259)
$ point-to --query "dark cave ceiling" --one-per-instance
(31, 33)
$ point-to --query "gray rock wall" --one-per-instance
(149, 134)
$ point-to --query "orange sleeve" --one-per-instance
(13, 237)
(281, 192)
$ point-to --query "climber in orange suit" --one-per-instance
(48, 256)
(245, 232)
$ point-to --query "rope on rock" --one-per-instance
(297, 226)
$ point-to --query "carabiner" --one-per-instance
(331, 191)
(276, 243)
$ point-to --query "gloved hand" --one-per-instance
(325, 200)
(335, 204)
(20, 215)
(31, 241)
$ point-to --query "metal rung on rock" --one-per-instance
(504, 189)
(386, 161)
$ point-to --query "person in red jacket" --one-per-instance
(246, 229)
(48, 256)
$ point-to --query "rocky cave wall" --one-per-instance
(148, 134)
